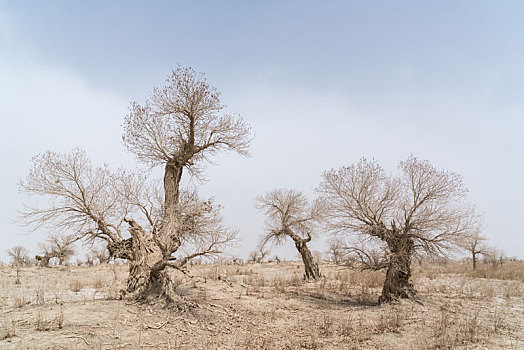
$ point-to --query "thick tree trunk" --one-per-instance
(148, 278)
(169, 235)
(397, 285)
(474, 256)
(310, 266)
(145, 282)
(147, 275)
(148, 252)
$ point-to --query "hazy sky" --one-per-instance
(322, 84)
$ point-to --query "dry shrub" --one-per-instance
(113, 293)
(8, 328)
(442, 326)
(361, 285)
(76, 285)
(60, 318)
(512, 289)
(41, 323)
(469, 329)
(19, 299)
(498, 321)
(487, 291)
(263, 342)
(391, 320)
(98, 282)
(509, 270)
(452, 329)
(281, 283)
(327, 325)
(346, 327)
(255, 280)
(40, 295)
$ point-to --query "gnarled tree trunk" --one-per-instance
(148, 252)
(397, 285)
(144, 268)
(310, 266)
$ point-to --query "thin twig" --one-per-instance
(79, 337)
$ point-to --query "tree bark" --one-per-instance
(169, 235)
(397, 285)
(148, 252)
(147, 275)
(311, 270)
(474, 256)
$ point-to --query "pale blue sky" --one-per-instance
(321, 85)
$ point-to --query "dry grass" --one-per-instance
(265, 306)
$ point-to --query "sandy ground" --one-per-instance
(263, 306)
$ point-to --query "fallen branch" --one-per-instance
(79, 337)
(159, 326)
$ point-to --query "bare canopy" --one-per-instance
(421, 209)
(181, 122)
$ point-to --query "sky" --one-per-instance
(321, 84)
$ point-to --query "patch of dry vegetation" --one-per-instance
(264, 306)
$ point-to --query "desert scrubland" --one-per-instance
(264, 306)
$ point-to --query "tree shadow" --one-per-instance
(330, 300)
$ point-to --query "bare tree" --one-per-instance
(336, 251)
(180, 128)
(475, 244)
(19, 257)
(258, 255)
(100, 253)
(494, 256)
(289, 215)
(58, 246)
(422, 209)
(45, 256)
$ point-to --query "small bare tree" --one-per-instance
(100, 253)
(336, 251)
(179, 128)
(475, 244)
(19, 257)
(421, 209)
(45, 256)
(494, 256)
(258, 255)
(289, 215)
(59, 246)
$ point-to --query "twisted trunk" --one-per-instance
(147, 252)
(397, 285)
(311, 269)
